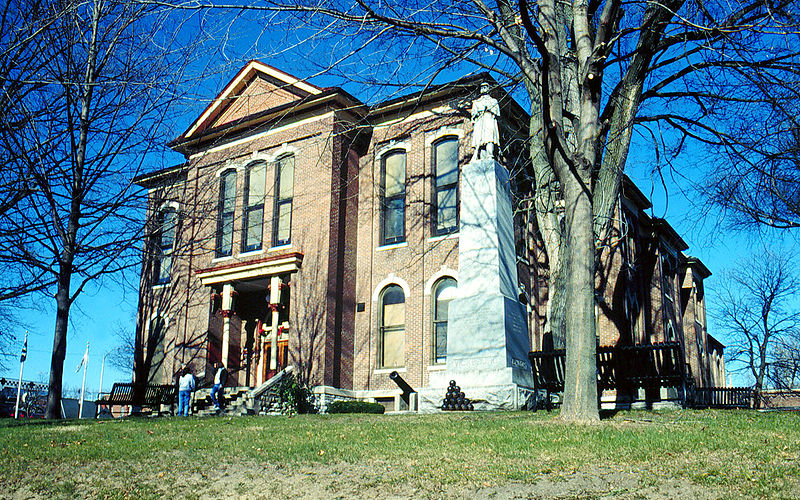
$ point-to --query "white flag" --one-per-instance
(84, 359)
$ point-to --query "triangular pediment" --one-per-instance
(256, 88)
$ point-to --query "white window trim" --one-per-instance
(442, 237)
(441, 273)
(393, 146)
(229, 165)
(391, 279)
(442, 133)
(382, 371)
(391, 246)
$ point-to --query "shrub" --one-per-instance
(295, 396)
(355, 407)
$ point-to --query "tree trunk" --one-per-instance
(580, 388)
(59, 344)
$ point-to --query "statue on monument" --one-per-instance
(485, 137)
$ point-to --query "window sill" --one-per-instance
(450, 236)
(392, 246)
(222, 259)
(251, 252)
(437, 368)
(280, 247)
(160, 285)
(384, 371)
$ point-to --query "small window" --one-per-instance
(445, 161)
(165, 244)
(393, 198)
(284, 192)
(254, 193)
(392, 321)
(227, 208)
(443, 292)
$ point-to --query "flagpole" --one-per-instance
(102, 367)
(83, 384)
(21, 364)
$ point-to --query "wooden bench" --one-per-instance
(618, 367)
(146, 395)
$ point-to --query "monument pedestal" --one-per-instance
(487, 331)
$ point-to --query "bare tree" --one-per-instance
(591, 71)
(103, 74)
(757, 309)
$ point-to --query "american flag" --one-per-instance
(24, 350)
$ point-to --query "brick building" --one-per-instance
(307, 228)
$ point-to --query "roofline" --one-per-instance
(152, 178)
(283, 111)
(432, 92)
(697, 264)
(672, 236)
(290, 80)
(715, 340)
(632, 192)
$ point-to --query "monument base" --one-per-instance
(507, 397)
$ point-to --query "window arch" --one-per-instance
(393, 197)
(255, 182)
(284, 193)
(443, 292)
(226, 212)
(392, 327)
(445, 185)
(165, 243)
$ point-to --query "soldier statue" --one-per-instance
(485, 137)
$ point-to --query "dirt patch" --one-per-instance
(368, 480)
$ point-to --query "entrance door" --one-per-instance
(283, 357)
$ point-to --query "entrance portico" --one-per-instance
(249, 316)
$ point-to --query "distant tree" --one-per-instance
(97, 86)
(758, 309)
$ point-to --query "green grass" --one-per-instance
(736, 453)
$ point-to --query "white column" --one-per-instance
(274, 300)
(227, 301)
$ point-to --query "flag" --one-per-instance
(84, 359)
(24, 350)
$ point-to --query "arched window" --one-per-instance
(226, 211)
(445, 164)
(254, 191)
(392, 321)
(443, 292)
(393, 197)
(165, 243)
(284, 191)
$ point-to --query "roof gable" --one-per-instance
(255, 88)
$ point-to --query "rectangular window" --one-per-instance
(227, 208)
(254, 193)
(393, 198)
(284, 191)
(445, 161)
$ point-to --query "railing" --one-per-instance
(722, 397)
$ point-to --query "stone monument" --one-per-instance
(487, 332)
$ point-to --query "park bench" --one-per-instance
(145, 395)
(618, 367)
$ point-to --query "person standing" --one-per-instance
(185, 388)
(220, 377)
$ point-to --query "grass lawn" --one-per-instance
(670, 454)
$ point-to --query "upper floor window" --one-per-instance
(393, 197)
(226, 211)
(392, 321)
(254, 192)
(445, 162)
(284, 191)
(443, 293)
(165, 243)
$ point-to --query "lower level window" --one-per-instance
(392, 327)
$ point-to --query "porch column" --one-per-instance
(227, 305)
(274, 301)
